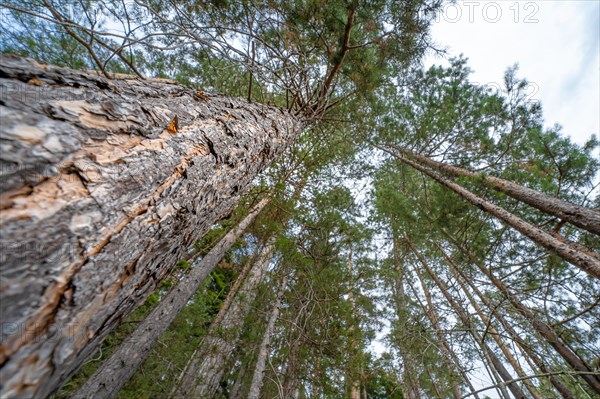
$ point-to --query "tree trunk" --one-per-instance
(263, 353)
(491, 330)
(499, 382)
(204, 372)
(231, 295)
(546, 331)
(240, 381)
(588, 261)
(353, 371)
(291, 382)
(566, 394)
(445, 347)
(106, 184)
(410, 384)
(108, 379)
(580, 216)
(465, 319)
(202, 359)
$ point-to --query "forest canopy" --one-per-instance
(379, 230)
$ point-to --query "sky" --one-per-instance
(555, 43)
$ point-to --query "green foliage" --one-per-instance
(184, 265)
(351, 68)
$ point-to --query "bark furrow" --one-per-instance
(110, 377)
(105, 186)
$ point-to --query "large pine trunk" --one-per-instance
(120, 366)
(105, 186)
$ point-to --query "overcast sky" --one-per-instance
(555, 43)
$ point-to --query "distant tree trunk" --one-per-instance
(263, 353)
(105, 186)
(353, 369)
(543, 329)
(205, 370)
(586, 260)
(491, 330)
(500, 386)
(566, 394)
(434, 383)
(231, 295)
(410, 386)
(291, 382)
(110, 377)
(355, 389)
(466, 320)
(445, 347)
(240, 381)
(580, 216)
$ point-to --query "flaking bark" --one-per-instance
(110, 377)
(100, 199)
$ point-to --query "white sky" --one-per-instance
(555, 43)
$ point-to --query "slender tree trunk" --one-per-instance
(206, 368)
(566, 394)
(105, 186)
(353, 370)
(580, 216)
(587, 261)
(231, 295)
(500, 386)
(263, 353)
(317, 374)
(436, 388)
(491, 372)
(496, 337)
(240, 381)
(464, 317)
(118, 369)
(204, 372)
(447, 351)
(546, 331)
(291, 383)
(410, 386)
